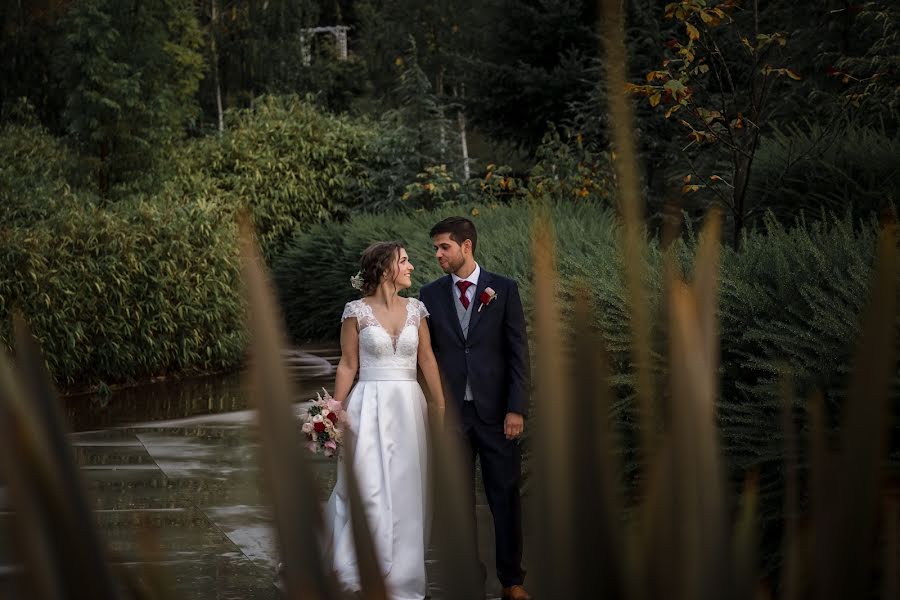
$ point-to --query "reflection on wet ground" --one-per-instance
(176, 463)
(200, 396)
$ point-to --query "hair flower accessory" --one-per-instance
(487, 296)
(357, 281)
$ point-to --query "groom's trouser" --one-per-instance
(501, 472)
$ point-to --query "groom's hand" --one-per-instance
(513, 425)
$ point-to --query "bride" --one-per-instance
(384, 337)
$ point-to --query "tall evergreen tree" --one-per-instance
(130, 71)
(28, 34)
(532, 64)
(421, 110)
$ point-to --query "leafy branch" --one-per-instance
(698, 84)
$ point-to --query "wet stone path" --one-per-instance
(190, 487)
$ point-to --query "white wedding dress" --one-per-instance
(388, 416)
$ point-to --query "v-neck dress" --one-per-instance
(388, 417)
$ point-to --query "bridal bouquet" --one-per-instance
(324, 424)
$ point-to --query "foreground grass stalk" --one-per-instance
(631, 208)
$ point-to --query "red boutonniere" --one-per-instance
(487, 296)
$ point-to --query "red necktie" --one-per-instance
(463, 285)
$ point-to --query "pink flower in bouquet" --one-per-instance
(330, 448)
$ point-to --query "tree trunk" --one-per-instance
(743, 165)
(214, 20)
(439, 88)
(463, 142)
(103, 173)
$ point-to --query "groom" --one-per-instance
(477, 328)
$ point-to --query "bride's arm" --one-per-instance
(429, 367)
(349, 363)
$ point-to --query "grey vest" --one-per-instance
(464, 315)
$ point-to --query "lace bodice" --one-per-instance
(377, 347)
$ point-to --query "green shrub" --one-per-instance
(288, 162)
(790, 308)
(811, 168)
(132, 291)
(34, 169)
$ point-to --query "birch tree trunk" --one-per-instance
(439, 88)
(214, 21)
(463, 142)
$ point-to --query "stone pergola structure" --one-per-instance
(340, 38)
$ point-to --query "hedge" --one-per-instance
(132, 291)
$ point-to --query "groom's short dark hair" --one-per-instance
(459, 228)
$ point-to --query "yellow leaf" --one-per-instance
(475, 212)
(655, 98)
(793, 74)
(690, 188)
(692, 31)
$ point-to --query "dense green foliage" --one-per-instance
(130, 77)
(35, 168)
(286, 161)
(128, 292)
(813, 168)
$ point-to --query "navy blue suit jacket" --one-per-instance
(494, 356)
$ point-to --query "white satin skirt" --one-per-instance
(388, 415)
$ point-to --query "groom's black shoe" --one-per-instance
(515, 592)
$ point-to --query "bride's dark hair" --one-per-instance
(377, 260)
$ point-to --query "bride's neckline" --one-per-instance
(378, 323)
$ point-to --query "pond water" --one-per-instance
(312, 367)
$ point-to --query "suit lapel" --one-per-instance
(449, 308)
(484, 280)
